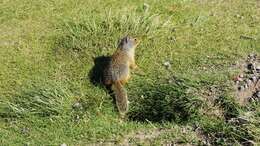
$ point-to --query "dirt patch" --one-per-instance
(147, 137)
(247, 82)
(210, 95)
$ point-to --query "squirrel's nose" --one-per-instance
(137, 41)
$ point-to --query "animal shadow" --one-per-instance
(96, 74)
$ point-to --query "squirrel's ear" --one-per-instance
(127, 38)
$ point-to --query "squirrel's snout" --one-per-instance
(137, 41)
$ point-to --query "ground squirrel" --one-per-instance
(117, 73)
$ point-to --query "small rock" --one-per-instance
(254, 79)
(184, 130)
(77, 117)
(242, 120)
(258, 69)
(241, 88)
(167, 64)
(64, 144)
(241, 75)
(25, 130)
(252, 56)
(77, 105)
(239, 120)
(257, 94)
(251, 66)
(248, 82)
(233, 121)
(170, 81)
(251, 99)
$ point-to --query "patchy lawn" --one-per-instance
(190, 54)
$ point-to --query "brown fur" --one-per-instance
(118, 71)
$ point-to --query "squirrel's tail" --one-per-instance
(121, 98)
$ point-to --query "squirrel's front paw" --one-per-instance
(134, 66)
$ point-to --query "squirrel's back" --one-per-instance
(117, 72)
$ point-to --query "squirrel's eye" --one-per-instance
(135, 39)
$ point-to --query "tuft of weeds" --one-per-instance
(159, 102)
(37, 100)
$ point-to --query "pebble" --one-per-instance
(251, 66)
(64, 144)
(239, 120)
(250, 99)
(257, 94)
(170, 81)
(243, 120)
(252, 56)
(258, 69)
(241, 75)
(167, 64)
(254, 79)
(77, 105)
(241, 88)
(248, 82)
(233, 121)
(25, 130)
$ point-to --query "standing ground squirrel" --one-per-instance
(117, 73)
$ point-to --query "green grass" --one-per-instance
(47, 53)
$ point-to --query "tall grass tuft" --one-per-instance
(82, 35)
(41, 101)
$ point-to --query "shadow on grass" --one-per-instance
(96, 74)
(161, 102)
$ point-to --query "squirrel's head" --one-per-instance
(128, 43)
